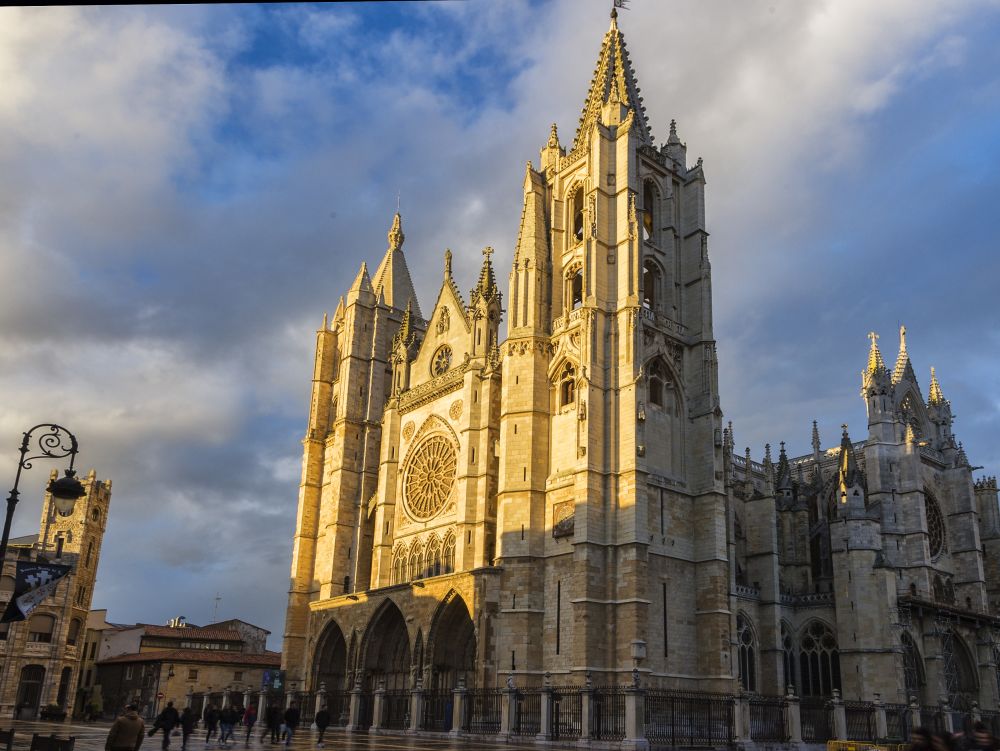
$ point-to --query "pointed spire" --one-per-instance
(961, 460)
(875, 361)
(486, 288)
(673, 139)
(362, 282)
(748, 487)
(338, 314)
(903, 367)
(815, 437)
(553, 137)
(727, 437)
(614, 80)
(395, 234)
(784, 473)
(848, 465)
(935, 395)
(326, 321)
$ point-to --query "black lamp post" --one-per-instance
(50, 443)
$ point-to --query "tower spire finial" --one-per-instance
(447, 263)
(396, 236)
(815, 437)
(935, 395)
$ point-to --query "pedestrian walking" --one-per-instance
(291, 722)
(127, 732)
(165, 722)
(322, 723)
(920, 739)
(249, 719)
(272, 723)
(188, 721)
(211, 722)
(982, 739)
(227, 719)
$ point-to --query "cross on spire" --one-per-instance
(873, 336)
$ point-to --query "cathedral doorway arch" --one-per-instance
(452, 644)
(959, 671)
(330, 663)
(386, 650)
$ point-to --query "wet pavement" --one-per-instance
(91, 737)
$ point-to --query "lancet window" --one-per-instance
(578, 214)
(575, 288)
(651, 280)
(912, 674)
(648, 209)
(567, 386)
(819, 661)
(433, 557)
(657, 383)
(399, 566)
(448, 555)
(747, 648)
(787, 655)
(416, 562)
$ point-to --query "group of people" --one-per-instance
(128, 731)
(979, 738)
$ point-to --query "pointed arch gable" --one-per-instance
(331, 660)
(386, 646)
(451, 642)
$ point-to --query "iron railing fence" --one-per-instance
(932, 718)
(338, 704)
(396, 709)
(438, 706)
(860, 716)
(567, 712)
(689, 719)
(767, 718)
(527, 719)
(607, 721)
(817, 724)
(897, 722)
(481, 711)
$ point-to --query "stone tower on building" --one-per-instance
(565, 500)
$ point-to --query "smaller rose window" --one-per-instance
(442, 361)
(935, 526)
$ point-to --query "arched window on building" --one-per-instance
(959, 671)
(747, 647)
(416, 562)
(578, 214)
(40, 628)
(819, 660)
(448, 555)
(73, 635)
(651, 284)
(575, 282)
(657, 383)
(913, 675)
(567, 386)
(433, 557)
(399, 566)
(787, 655)
(648, 209)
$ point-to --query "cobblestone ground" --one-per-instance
(90, 737)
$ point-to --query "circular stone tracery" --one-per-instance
(935, 526)
(429, 476)
(442, 361)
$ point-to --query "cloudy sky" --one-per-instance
(184, 191)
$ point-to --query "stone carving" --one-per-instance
(563, 519)
(442, 361)
(429, 476)
(408, 430)
(455, 410)
(444, 321)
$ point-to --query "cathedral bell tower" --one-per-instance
(610, 422)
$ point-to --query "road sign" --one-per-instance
(160, 695)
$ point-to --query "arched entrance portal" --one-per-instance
(387, 650)
(29, 692)
(453, 645)
(330, 665)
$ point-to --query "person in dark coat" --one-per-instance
(249, 719)
(188, 722)
(291, 722)
(127, 732)
(166, 721)
(322, 723)
(211, 722)
(227, 720)
(272, 724)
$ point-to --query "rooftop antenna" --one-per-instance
(215, 612)
(397, 200)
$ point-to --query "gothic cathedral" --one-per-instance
(566, 501)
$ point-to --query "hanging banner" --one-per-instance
(32, 585)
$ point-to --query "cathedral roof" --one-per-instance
(613, 81)
(392, 277)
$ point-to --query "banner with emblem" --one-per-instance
(33, 583)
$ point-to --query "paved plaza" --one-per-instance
(91, 736)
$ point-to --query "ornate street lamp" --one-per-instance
(51, 443)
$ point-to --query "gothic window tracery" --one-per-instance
(819, 660)
(575, 288)
(399, 566)
(912, 674)
(910, 415)
(648, 204)
(416, 562)
(959, 675)
(429, 476)
(657, 383)
(448, 555)
(441, 361)
(651, 282)
(433, 557)
(747, 648)
(787, 655)
(935, 525)
(578, 214)
(567, 386)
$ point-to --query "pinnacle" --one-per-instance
(903, 367)
(935, 395)
(875, 361)
(395, 235)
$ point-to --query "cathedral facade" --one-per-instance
(564, 499)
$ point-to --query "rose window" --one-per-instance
(935, 526)
(442, 361)
(429, 477)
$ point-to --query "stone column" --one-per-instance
(320, 703)
(545, 718)
(416, 706)
(458, 708)
(354, 714)
(839, 716)
(378, 701)
(508, 709)
(793, 718)
(741, 719)
(977, 715)
(881, 724)
(916, 720)
(586, 710)
(262, 707)
(945, 709)
(635, 716)
(225, 698)
(188, 698)
(246, 698)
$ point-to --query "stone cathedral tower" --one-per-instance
(554, 502)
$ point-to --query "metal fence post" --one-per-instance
(458, 707)
(416, 705)
(635, 716)
(946, 718)
(839, 717)
(793, 718)
(881, 723)
(508, 707)
(354, 713)
(377, 704)
(586, 709)
(916, 720)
